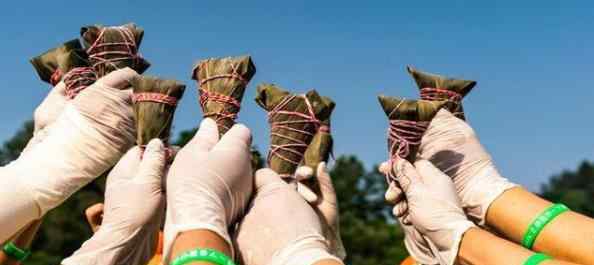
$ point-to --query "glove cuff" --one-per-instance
(458, 229)
(477, 200)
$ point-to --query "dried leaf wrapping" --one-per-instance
(438, 87)
(294, 119)
(53, 64)
(155, 101)
(112, 48)
(408, 121)
(222, 83)
(320, 148)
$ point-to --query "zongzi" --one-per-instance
(222, 83)
(52, 65)
(437, 87)
(294, 119)
(154, 102)
(112, 48)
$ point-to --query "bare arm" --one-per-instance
(23, 241)
(570, 236)
(476, 241)
(194, 239)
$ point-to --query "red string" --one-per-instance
(436, 94)
(154, 97)
(402, 135)
(295, 146)
(207, 95)
(125, 50)
(324, 129)
(78, 79)
(56, 77)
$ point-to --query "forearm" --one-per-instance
(481, 247)
(23, 241)
(191, 240)
(570, 236)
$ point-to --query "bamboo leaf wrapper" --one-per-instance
(52, 65)
(155, 101)
(222, 83)
(112, 48)
(294, 120)
(438, 87)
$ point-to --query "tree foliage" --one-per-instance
(573, 188)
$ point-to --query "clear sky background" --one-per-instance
(532, 107)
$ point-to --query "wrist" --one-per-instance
(196, 239)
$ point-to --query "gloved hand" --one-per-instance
(453, 147)
(416, 244)
(434, 209)
(90, 136)
(324, 203)
(209, 184)
(134, 205)
(51, 107)
(280, 228)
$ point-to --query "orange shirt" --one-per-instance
(156, 260)
(408, 261)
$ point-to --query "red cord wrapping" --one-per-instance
(297, 147)
(402, 135)
(78, 79)
(154, 97)
(56, 77)
(207, 95)
(130, 51)
(436, 94)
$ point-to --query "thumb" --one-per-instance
(265, 177)
(239, 136)
(325, 180)
(206, 136)
(152, 165)
(406, 175)
(430, 174)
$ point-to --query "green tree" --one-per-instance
(573, 188)
(368, 230)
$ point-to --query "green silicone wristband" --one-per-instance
(536, 259)
(208, 255)
(12, 251)
(540, 222)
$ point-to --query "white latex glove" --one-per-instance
(209, 184)
(453, 147)
(46, 113)
(280, 228)
(134, 205)
(416, 244)
(89, 137)
(51, 107)
(324, 203)
(434, 208)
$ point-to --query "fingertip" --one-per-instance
(264, 176)
(238, 136)
(384, 168)
(304, 172)
(307, 193)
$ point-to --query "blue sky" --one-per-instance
(532, 60)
